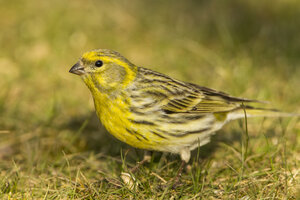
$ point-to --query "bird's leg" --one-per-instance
(147, 157)
(128, 178)
(185, 155)
(179, 173)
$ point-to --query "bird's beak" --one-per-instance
(77, 69)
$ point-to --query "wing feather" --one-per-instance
(200, 99)
(182, 97)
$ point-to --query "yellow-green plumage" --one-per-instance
(149, 110)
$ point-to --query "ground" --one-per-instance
(52, 145)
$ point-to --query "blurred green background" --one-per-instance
(246, 48)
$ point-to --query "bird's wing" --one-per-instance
(174, 96)
(200, 99)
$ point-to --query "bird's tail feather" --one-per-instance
(250, 111)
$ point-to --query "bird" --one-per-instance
(153, 111)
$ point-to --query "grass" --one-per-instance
(52, 145)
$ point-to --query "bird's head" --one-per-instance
(104, 70)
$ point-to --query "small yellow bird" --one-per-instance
(152, 111)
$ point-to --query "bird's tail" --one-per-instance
(250, 111)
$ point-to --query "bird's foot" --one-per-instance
(147, 158)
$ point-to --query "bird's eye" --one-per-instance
(98, 63)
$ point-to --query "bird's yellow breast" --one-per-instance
(114, 114)
(113, 110)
